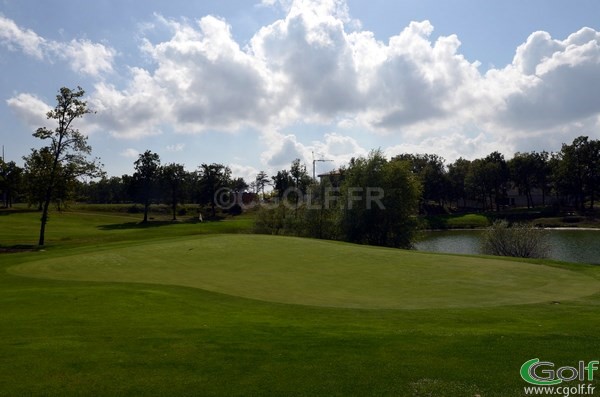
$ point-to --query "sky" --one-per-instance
(254, 84)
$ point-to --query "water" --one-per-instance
(580, 246)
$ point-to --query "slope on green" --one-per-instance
(319, 273)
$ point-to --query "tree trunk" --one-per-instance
(44, 219)
(544, 197)
(146, 206)
(174, 208)
(43, 224)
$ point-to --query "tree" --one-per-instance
(10, 181)
(457, 175)
(173, 176)
(282, 182)
(529, 171)
(430, 169)
(147, 169)
(212, 178)
(476, 183)
(397, 188)
(497, 176)
(577, 170)
(300, 178)
(238, 185)
(523, 174)
(68, 148)
(261, 181)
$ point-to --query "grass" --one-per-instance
(457, 221)
(315, 272)
(244, 315)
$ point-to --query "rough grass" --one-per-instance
(76, 337)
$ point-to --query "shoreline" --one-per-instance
(544, 228)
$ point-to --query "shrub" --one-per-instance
(519, 240)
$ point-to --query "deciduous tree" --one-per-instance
(67, 149)
(147, 170)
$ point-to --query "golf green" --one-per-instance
(318, 273)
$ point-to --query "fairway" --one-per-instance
(318, 273)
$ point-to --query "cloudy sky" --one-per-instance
(256, 84)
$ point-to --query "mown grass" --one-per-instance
(79, 337)
(316, 272)
(457, 221)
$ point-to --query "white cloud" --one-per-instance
(282, 150)
(31, 110)
(555, 83)
(453, 146)
(130, 153)
(140, 110)
(337, 149)
(317, 66)
(82, 56)
(178, 147)
(15, 38)
(248, 173)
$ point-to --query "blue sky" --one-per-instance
(256, 84)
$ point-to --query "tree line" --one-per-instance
(570, 177)
(412, 183)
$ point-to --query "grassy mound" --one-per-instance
(319, 273)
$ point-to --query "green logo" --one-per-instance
(542, 373)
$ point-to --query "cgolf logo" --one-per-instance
(542, 373)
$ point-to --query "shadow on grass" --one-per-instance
(11, 211)
(153, 224)
(11, 249)
(140, 225)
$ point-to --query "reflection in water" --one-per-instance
(582, 246)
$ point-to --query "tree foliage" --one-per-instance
(11, 177)
(174, 178)
(379, 200)
(66, 155)
(146, 177)
(213, 177)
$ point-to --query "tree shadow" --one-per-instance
(140, 225)
(154, 224)
(13, 249)
(11, 211)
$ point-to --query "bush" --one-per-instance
(519, 240)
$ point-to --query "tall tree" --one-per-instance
(262, 180)
(173, 176)
(457, 175)
(369, 182)
(523, 174)
(529, 171)
(147, 170)
(431, 171)
(477, 184)
(10, 181)
(282, 181)
(212, 178)
(497, 175)
(68, 148)
(579, 170)
(301, 179)
(238, 185)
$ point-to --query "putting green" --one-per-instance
(320, 273)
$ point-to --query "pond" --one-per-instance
(580, 246)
